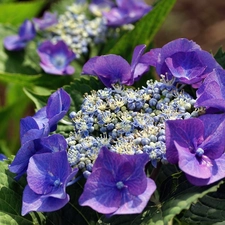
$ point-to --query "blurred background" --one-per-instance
(202, 21)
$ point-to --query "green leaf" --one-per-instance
(16, 13)
(11, 200)
(144, 30)
(220, 57)
(208, 210)
(177, 194)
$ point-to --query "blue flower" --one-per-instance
(55, 58)
(111, 69)
(18, 42)
(48, 175)
(53, 143)
(46, 119)
(123, 12)
(48, 20)
(118, 184)
(182, 59)
(197, 145)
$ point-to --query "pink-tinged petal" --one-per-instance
(191, 165)
(152, 57)
(187, 133)
(218, 172)
(39, 203)
(89, 66)
(136, 204)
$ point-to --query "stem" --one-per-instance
(155, 171)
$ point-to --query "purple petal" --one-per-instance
(187, 133)
(57, 107)
(14, 43)
(47, 173)
(136, 204)
(27, 31)
(110, 69)
(189, 163)
(211, 93)
(218, 172)
(100, 192)
(2, 157)
(48, 20)
(40, 203)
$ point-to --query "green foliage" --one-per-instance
(220, 57)
(11, 200)
(17, 12)
(144, 30)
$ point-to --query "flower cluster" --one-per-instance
(119, 130)
(72, 34)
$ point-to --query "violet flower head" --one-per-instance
(53, 143)
(25, 34)
(211, 94)
(111, 69)
(197, 145)
(46, 119)
(183, 60)
(46, 21)
(118, 184)
(47, 177)
(124, 12)
(55, 58)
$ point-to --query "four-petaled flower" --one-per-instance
(48, 20)
(118, 184)
(47, 177)
(182, 59)
(55, 58)
(18, 42)
(111, 69)
(197, 145)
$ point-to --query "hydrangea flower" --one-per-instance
(211, 94)
(46, 119)
(111, 68)
(197, 145)
(118, 184)
(123, 12)
(53, 143)
(46, 21)
(182, 59)
(47, 177)
(18, 42)
(55, 58)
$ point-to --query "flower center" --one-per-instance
(199, 152)
(58, 61)
(120, 185)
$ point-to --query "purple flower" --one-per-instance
(47, 177)
(48, 20)
(118, 184)
(111, 69)
(18, 42)
(211, 94)
(197, 145)
(55, 58)
(182, 59)
(53, 143)
(125, 12)
(46, 119)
